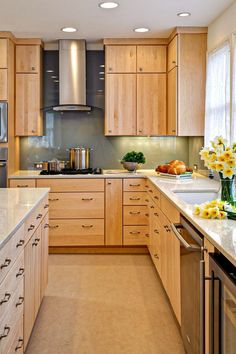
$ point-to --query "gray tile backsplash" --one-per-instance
(72, 129)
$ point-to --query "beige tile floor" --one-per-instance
(104, 304)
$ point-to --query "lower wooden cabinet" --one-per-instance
(44, 254)
(136, 235)
(114, 215)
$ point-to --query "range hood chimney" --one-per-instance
(72, 75)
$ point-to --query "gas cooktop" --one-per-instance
(70, 171)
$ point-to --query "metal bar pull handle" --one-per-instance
(186, 245)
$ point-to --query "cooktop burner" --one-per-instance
(70, 171)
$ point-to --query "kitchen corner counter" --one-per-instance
(221, 233)
(15, 206)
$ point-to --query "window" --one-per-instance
(217, 115)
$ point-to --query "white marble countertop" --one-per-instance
(221, 233)
(15, 206)
(31, 174)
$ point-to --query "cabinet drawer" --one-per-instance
(76, 205)
(134, 185)
(169, 210)
(155, 194)
(9, 323)
(10, 284)
(72, 185)
(136, 235)
(33, 221)
(22, 183)
(135, 215)
(72, 232)
(10, 252)
(17, 344)
(134, 198)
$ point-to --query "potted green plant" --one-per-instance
(132, 160)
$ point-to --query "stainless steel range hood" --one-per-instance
(72, 75)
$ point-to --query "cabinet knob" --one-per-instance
(6, 298)
(32, 131)
(173, 62)
(31, 227)
(20, 344)
(5, 332)
(156, 256)
(109, 183)
(140, 69)
(134, 232)
(20, 243)
(173, 131)
(110, 69)
(33, 68)
(6, 263)
(21, 272)
(140, 131)
(109, 131)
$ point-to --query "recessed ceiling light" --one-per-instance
(69, 29)
(184, 14)
(108, 5)
(141, 30)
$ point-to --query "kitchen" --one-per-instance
(117, 193)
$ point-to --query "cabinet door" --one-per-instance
(172, 102)
(3, 53)
(27, 58)
(113, 215)
(3, 85)
(28, 115)
(151, 58)
(151, 104)
(121, 59)
(173, 53)
(120, 110)
(44, 255)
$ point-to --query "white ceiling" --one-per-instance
(44, 18)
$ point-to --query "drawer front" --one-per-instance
(72, 232)
(76, 205)
(9, 323)
(169, 210)
(11, 251)
(33, 221)
(73, 185)
(136, 235)
(134, 198)
(10, 284)
(22, 183)
(17, 344)
(154, 193)
(135, 215)
(134, 185)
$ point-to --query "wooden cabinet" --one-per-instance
(120, 111)
(186, 84)
(3, 53)
(3, 85)
(151, 59)
(151, 104)
(121, 59)
(28, 59)
(44, 254)
(72, 185)
(28, 105)
(113, 236)
(22, 183)
(136, 235)
(134, 185)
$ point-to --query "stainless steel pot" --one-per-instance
(80, 158)
(56, 165)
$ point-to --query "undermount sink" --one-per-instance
(197, 197)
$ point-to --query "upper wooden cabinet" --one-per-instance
(3, 53)
(3, 85)
(121, 59)
(172, 53)
(28, 104)
(151, 104)
(120, 111)
(28, 58)
(186, 84)
(151, 58)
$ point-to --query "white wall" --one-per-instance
(222, 27)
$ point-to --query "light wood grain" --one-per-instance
(151, 104)
(22, 183)
(76, 232)
(172, 99)
(114, 215)
(135, 215)
(17, 337)
(151, 59)
(136, 235)
(28, 114)
(191, 84)
(134, 184)
(44, 255)
(99, 250)
(188, 30)
(3, 85)
(173, 53)
(3, 53)
(27, 59)
(135, 198)
(72, 185)
(135, 41)
(169, 210)
(120, 112)
(120, 59)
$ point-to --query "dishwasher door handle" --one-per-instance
(189, 247)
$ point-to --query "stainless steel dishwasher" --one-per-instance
(192, 286)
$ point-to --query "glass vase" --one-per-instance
(227, 189)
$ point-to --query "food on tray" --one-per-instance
(174, 167)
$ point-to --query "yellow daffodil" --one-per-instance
(214, 212)
(222, 215)
(213, 157)
(212, 165)
(197, 210)
(205, 214)
(221, 158)
(204, 153)
(219, 140)
(219, 166)
(228, 173)
(228, 155)
(231, 163)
